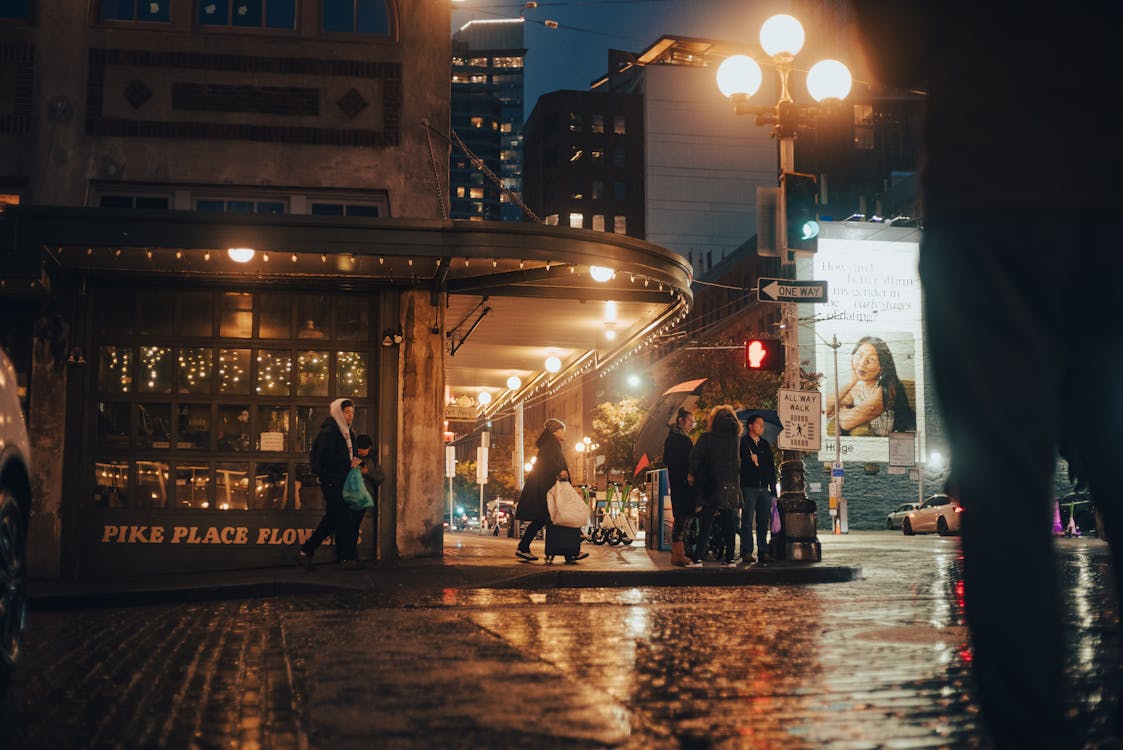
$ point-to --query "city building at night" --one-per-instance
(218, 221)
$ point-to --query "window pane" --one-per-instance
(115, 314)
(231, 486)
(193, 430)
(327, 209)
(195, 313)
(214, 12)
(276, 316)
(111, 10)
(620, 224)
(351, 372)
(239, 207)
(619, 192)
(619, 157)
(152, 484)
(371, 17)
(308, 421)
(236, 318)
(313, 316)
(196, 365)
(351, 319)
(339, 15)
(269, 207)
(113, 369)
(153, 10)
(155, 369)
(618, 126)
(312, 373)
(234, 371)
(156, 314)
(270, 491)
(353, 210)
(576, 220)
(598, 123)
(153, 425)
(192, 486)
(111, 484)
(274, 373)
(233, 429)
(598, 222)
(271, 429)
(210, 206)
(113, 425)
(15, 9)
(306, 490)
(280, 14)
(246, 13)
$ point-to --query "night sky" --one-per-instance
(575, 53)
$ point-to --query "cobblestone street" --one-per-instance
(879, 662)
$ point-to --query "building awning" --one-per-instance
(517, 293)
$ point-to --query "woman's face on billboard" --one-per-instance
(865, 362)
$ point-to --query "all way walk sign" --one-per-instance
(788, 290)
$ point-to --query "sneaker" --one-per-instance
(694, 564)
(305, 561)
(579, 556)
(524, 554)
(352, 565)
(729, 564)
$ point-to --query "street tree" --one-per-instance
(615, 425)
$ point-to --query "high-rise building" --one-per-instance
(487, 114)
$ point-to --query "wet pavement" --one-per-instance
(440, 657)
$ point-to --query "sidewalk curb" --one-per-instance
(778, 575)
(97, 599)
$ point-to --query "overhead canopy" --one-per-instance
(533, 281)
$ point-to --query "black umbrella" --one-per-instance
(659, 420)
(772, 425)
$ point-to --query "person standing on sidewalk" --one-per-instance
(373, 477)
(549, 467)
(676, 457)
(715, 472)
(1020, 244)
(758, 482)
(332, 456)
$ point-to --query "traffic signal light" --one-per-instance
(764, 354)
(801, 211)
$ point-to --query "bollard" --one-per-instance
(797, 539)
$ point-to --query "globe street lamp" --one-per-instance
(739, 77)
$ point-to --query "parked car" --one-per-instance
(893, 520)
(15, 505)
(939, 513)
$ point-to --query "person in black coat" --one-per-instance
(758, 482)
(549, 467)
(715, 473)
(332, 456)
(676, 457)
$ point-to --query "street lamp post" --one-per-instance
(739, 77)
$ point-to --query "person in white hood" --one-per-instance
(332, 456)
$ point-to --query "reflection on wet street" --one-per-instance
(880, 662)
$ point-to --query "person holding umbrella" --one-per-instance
(676, 457)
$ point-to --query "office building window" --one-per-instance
(507, 62)
(149, 202)
(574, 122)
(596, 155)
(620, 224)
(618, 126)
(576, 221)
(127, 10)
(598, 222)
(552, 220)
(619, 192)
(270, 14)
(345, 209)
(239, 206)
(357, 16)
(597, 124)
(598, 190)
(619, 157)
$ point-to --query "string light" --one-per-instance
(323, 257)
(179, 255)
(265, 257)
(207, 255)
(294, 257)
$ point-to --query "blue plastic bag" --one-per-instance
(355, 492)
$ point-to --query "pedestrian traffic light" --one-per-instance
(801, 211)
(764, 354)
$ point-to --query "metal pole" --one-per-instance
(837, 434)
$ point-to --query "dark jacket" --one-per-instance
(761, 474)
(676, 457)
(328, 456)
(550, 463)
(715, 459)
(373, 477)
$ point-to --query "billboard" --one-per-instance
(874, 315)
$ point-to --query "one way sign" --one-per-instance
(787, 290)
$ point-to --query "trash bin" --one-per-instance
(659, 518)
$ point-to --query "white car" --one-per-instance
(893, 520)
(15, 504)
(939, 513)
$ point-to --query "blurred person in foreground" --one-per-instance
(1019, 244)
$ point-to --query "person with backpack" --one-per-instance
(332, 456)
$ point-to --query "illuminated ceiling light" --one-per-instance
(241, 254)
(601, 273)
(514, 382)
(484, 398)
(553, 364)
(610, 311)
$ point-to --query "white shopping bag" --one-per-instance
(566, 506)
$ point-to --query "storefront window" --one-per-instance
(155, 369)
(276, 316)
(234, 371)
(271, 429)
(196, 313)
(157, 315)
(111, 484)
(236, 315)
(231, 486)
(113, 375)
(152, 484)
(233, 429)
(113, 425)
(195, 370)
(270, 487)
(274, 373)
(307, 494)
(193, 430)
(312, 373)
(314, 315)
(192, 486)
(115, 315)
(153, 425)
(351, 374)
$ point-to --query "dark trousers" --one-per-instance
(706, 527)
(682, 510)
(532, 529)
(339, 519)
(1024, 334)
(755, 516)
